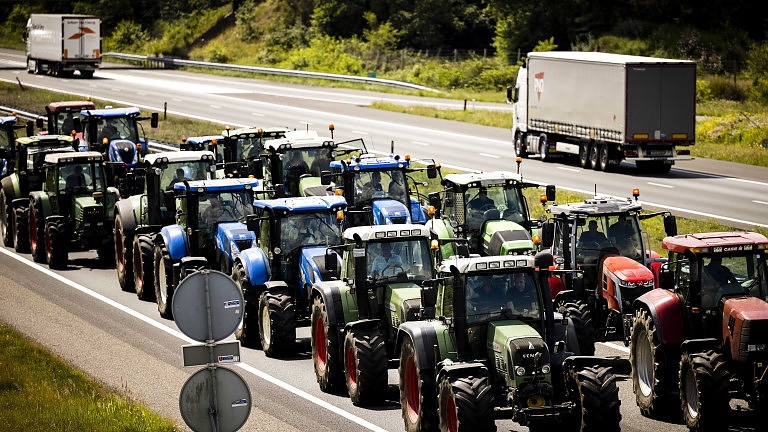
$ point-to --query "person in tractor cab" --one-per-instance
(621, 229)
(68, 125)
(373, 186)
(388, 263)
(720, 273)
(212, 214)
(76, 180)
(592, 236)
(481, 202)
(522, 297)
(180, 177)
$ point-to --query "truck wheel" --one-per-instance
(604, 163)
(598, 396)
(56, 245)
(519, 147)
(583, 324)
(277, 323)
(650, 383)
(30, 67)
(123, 256)
(37, 230)
(584, 161)
(594, 156)
(144, 266)
(163, 281)
(86, 74)
(247, 331)
(6, 219)
(543, 148)
(465, 404)
(365, 366)
(106, 253)
(418, 398)
(704, 385)
(20, 224)
(325, 349)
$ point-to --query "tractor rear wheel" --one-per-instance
(247, 331)
(418, 398)
(598, 396)
(704, 385)
(56, 245)
(651, 385)
(163, 280)
(583, 323)
(465, 404)
(123, 255)
(365, 366)
(37, 230)
(277, 322)
(20, 224)
(144, 266)
(6, 219)
(325, 349)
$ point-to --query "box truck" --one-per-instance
(62, 44)
(605, 108)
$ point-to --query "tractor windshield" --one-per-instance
(80, 178)
(402, 259)
(494, 202)
(492, 297)
(187, 170)
(114, 128)
(225, 206)
(372, 185)
(309, 229)
(732, 275)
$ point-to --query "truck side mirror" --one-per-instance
(670, 225)
(547, 234)
(551, 192)
(154, 120)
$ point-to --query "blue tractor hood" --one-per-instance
(123, 151)
(388, 211)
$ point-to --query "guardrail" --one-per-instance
(172, 62)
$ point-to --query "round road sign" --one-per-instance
(215, 396)
(192, 299)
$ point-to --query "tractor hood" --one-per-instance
(313, 265)
(514, 344)
(745, 324)
(627, 270)
(402, 302)
(503, 237)
(124, 151)
(233, 237)
(389, 211)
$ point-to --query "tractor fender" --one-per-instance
(330, 293)
(474, 368)
(564, 295)
(44, 200)
(255, 265)
(312, 265)
(175, 240)
(124, 208)
(369, 324)
(385, 211)
(424, 338)
(11, 187)
(666, 311)
(418, 213)
(276, 286)
(698, 345)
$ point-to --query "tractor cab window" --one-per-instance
(624, 233)
(496, 296)
(321, 160)
(403, 259)
(249, 147)
(308, 229)
(224, 207)
(80, 178)
(372, 185)
(513, 208)
(181, 171)
(723, 276)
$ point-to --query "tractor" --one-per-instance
(60, 117)
(209, 231)
(25, 174)
(355, 315)
(380, 190)
(8, 136)
(702, 339)
(115, 133)
(239, 148)
(294, 235)
(139, 217)
(73, 211)
(489, 211)
(601, 240)
(481, 352)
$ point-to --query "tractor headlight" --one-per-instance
(520, 370)
(546, 369)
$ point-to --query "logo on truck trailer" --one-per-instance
(538, 85)
(83, 31)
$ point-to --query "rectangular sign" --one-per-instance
(218, 353)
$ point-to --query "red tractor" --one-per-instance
(702, 339)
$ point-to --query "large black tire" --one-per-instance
(584, 156)
(594, 156)
(20, 226)
(519, 146)
(163, 280)
(277, 323)
(544, 148)
(247, 331)
(123, 257)
(365, 366)
(596, 392)
(652, 384)
(329, 369)
(603, 158)
(106, 253)
(56, 245)
(37, 231)
(465, 404)
(6, 219)
(583, 324)
(704, 385)
(144, 266)
(418, 393)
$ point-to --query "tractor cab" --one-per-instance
(63, 118)
(115, 133)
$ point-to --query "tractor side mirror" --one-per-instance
(31, 128)
(331, 262)
(432, 171)
(547, 234)
(670, 225)
(428, 300)
(154, 120)
(434, 199)
(666, 278)
(551, 192)
(325, 178)
(257, 167)
(252, 223)
(39, 123)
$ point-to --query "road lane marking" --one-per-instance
(261, 374)
(615, 346)
(660, 185)
(489, 155)
(760, 202)
(562, 168)
(421, 143)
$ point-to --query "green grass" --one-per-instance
(40, 393)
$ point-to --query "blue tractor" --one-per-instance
(115, 133)
(294, 237)
(210, 229)
(380, 190)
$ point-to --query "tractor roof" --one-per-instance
(487, 263)
(46, 140)
(597, 206)
(254, 132)
(111, 112)
(299, 204)
(11, 120)
(219, 185)
(386, 232)
(56, 147)
(299, 139)
(70, 106)
(370, 162)
(73, 157)
(716, 242)
(484, 179)
(178, 156)
(204, 139)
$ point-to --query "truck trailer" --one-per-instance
(59, 45)
(604, 108)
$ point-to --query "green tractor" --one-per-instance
(489, 210)
(354, 318)
(483, 351)
(73, 210)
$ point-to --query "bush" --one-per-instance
(127, 36)
(722, 88)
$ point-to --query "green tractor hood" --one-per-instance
(519, 351)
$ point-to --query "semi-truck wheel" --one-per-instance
(56, 245)
(123, 255)
(584, 156)
(277, 323)
(650, 383)
(598, 397)
(6, 219)
(20, 224)
(604, 162)
(365, 366)
(163, 280)
(543, 148)
(144, 266)
(465, 404)
(37, 230)
(418, 396)
(594, 156)
(519, 146)
(247, 332)
(704, 383)
(325, 349)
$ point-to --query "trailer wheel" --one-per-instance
(465, 404)
(418, 398)
(650, 383)
(365, 366)
(325, 349)
(520, 150)
(123, 256)
(6, 219)
(20, 224)
(704, 383)
(86, 74)
(30, 68)
(163, 280)
(277, 322)
(543, 148)
(247, 331)
(144, 266)
(595, 391)
(584, 155)
(604, 162)
(37, 230)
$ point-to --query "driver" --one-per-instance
(481, 202)
(212, 213)
(523, 294)
(374, 185)
(592, 235)
(388, 262)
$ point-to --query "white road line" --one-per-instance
(661, 185)
(256, 114)
(261, 374)
(215, 106)
(562, 168)
(760, 202)
(420, 143)
(489, 155)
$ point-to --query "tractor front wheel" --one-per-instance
(163, 280)
(6, 219)
(277, 323)
(595, 391)
(651, 385)
(704, 383)
(583, 324)
(247, 331)
(123, 257)
(325, 349)
(56, 245)
(466, 404)
(418, 396)
(144, 266)
(37, 230)
(365, 366)
(20, 224)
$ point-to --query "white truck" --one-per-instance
(604, 108)
(62, 44)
